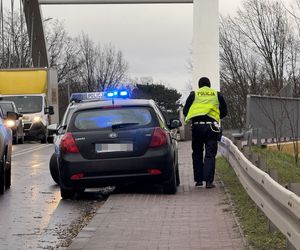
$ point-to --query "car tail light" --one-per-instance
(68, 144)
(154, 171)
(77, 176)
(159, 138)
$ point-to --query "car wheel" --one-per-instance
(21, 140)
(2, 174)
(50, 139)
(54, 168)
(15, 139)
(8, 178)
(44, 139)
(177, 176)
(170, 187)
(67, 193)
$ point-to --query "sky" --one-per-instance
(156, 39)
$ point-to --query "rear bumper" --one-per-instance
(116, 171)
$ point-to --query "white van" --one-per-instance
(36, 114)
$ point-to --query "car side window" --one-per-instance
(160, 116)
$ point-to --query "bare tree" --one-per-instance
(241, 73)
(15, 50)
(88, 54)
(264, 24)
(111, 68)
(102, 68)
(63, 52)
(258, 54)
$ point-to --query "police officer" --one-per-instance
(205, 107)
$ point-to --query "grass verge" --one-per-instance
(253, 223)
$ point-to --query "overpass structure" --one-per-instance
(205, 32)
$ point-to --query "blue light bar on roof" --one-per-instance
(110, 94)
(123, 93)
(78, 97)
(117, 94)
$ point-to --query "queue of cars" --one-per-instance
(106, 140)
(11, 132)
(6, 137)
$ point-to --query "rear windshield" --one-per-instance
(96, 119)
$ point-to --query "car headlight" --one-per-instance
(10, 123)
(36, 119)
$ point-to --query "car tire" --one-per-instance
(54, 168)
(177, 176)
(2, 174)
(8, 178)
(50, 139)
(170, 187)
(44, 139)
(15, 139)
(21, 140)
(67, 193)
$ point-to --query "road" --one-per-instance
(33, 216)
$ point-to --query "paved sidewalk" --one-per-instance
(194, 218)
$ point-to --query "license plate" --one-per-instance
(114, 147)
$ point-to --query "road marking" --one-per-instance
(26, 151)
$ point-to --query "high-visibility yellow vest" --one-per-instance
(206, 102)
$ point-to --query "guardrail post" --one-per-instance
(259, 132)
(289, 246)
(271, 227)
(262, 164)
(294, 187)
(273, 174)
(253, 158)
(247, 152)
(237, 140)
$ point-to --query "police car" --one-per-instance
(116, 141)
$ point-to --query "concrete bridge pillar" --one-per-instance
(206, 42)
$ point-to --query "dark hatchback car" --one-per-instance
(116, 142)
(15, 125)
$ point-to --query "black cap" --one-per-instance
(204, 81)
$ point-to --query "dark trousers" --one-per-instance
(203, 136)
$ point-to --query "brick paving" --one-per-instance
(194, 218)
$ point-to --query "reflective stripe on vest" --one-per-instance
(206, 102)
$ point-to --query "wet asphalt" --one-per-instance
(32, 214)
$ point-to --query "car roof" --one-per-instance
(116, 102)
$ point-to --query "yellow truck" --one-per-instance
(35, 93)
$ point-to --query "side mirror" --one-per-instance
(52, 127)
(49, 110)
(174, 123)
(12, 115)
(20, 115)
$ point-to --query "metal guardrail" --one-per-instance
(281, 206)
